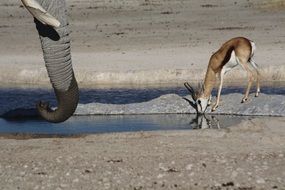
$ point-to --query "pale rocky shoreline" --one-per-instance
(264, 105)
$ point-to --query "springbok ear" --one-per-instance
(201, 87)
(40, 13)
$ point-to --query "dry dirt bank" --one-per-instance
(145, 41)
(248, 156)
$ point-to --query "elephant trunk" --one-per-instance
(56, 50)
(67, 103)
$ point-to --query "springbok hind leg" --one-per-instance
(257, 84)
(255, 66)
(250, 77)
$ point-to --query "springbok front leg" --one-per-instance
(250, 77)
(221, 78)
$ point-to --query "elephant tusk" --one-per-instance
(40, 13)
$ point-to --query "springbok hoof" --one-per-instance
(214, 108)
(256, 95)
(244, 100)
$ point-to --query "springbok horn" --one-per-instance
(40, 13)
(190, 89)
(187, 85)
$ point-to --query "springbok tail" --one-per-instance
(253, 48)
(251, 59)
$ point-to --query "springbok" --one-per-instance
(236, 51)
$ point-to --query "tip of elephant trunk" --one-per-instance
(67, 104)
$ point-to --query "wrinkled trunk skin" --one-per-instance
(56, 50)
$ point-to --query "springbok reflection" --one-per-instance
(204, 122)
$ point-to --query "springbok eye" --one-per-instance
(199, 101)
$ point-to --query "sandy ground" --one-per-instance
(139, 42)
(145, 41)
(248, 156)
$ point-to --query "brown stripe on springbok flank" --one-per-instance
(227, 56)
(234, 28)
(27, 136)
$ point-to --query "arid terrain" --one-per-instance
(117, 42)
(248, 156)
(145, 41)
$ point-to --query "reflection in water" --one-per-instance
(119, 123)
(203, 121)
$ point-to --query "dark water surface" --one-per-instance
(119, 123)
